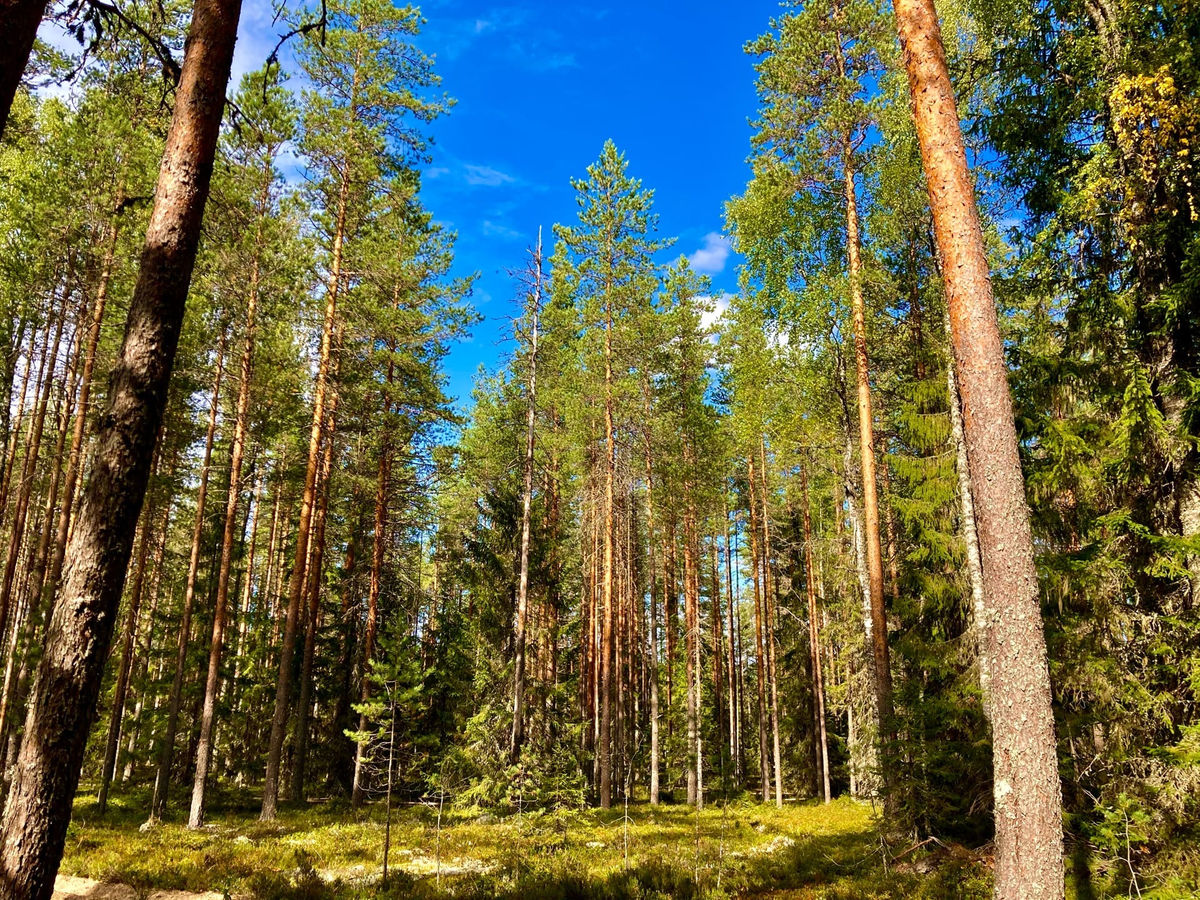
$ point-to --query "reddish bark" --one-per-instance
(237, 452)
(69, 676)
(1027, 790)
(162, 779)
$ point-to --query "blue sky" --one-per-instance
(539, 87)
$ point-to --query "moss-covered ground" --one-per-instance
(328, 851)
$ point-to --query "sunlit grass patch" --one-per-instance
(739, 849)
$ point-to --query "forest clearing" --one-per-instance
(744, 850)
(553, 450)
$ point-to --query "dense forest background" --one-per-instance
(684, 548)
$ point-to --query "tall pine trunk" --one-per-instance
(760, 660)
(237, 449)
(769, 603)
(166, 749)
(814, 636)
(691, 619)
(81, 406)
(609, 595)
(522, 611)
(68, 681)
(870, 493)
(653, 648)
(283, 684)
(735, 694)
(116, 715)
(33, 444)
(312, 593)
(378, 548)
(1027, 790)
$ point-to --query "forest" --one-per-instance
(878, 577)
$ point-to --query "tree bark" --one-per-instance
(121, 690)
(522, 612)
(166, 752)
(769, 603)
(68, 681)
(29, 469)
(378, 548)
(655, 787)
(979, 611)
(734, 664)
(691, 619)
(81, 407)
(870, 493)
(283, 686)
(1027, 790)
(814, 634)
(237, 451)
(19, 20)
(312, 592)
(609, 599)
(760, 661)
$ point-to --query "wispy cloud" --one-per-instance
(711, 258)
(517, 35)
(485, 176)
(500, 230)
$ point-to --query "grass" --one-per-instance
(329, 852)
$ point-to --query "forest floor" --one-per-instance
(329, 852)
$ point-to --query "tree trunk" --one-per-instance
(979, 612)
(760, 660)
(378, 547)
(718, 652)
(691, 619)
(141, 654)
(870, 493)
(81, 406)
(734, 665)
(237, 450)
(313, 594)
(769, 603)
(1027, 790)
(14, 437)
(19, 20)
(166, 751)
(29, 469)
(518, 729)
(120, 692)
(814, 634)
(606, 640)
(15, 691)
(283, 685)
(69, 676)
(653, 657)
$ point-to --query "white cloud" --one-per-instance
(500, 230)
(712, 256)
(486, 176)
(715, 309)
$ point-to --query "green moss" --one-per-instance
(329, 852)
